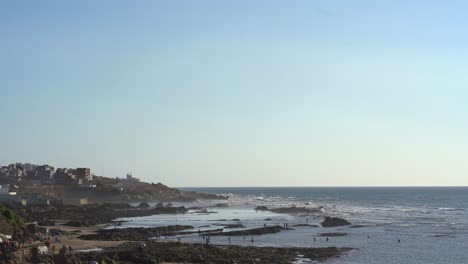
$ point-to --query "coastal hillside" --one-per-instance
(9, 221)
(45, 184)
(103, 189)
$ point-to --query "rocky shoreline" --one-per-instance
(142, 234)
(135, 234)
(172, 252)
(144, 245)
(334, 222)
(251, 232)
(88, 215)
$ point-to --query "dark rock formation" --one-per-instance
(334, 221)
(173, 252)
(357, 226)
(90, 214)
(135, 234)
(249, 232)
(144, 205)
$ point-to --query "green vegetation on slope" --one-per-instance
(9, 221)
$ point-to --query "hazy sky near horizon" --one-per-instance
(239, 93)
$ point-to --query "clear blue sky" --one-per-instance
(239, 93)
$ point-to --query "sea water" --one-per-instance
(395, 225)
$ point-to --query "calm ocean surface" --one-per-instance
(431, 223)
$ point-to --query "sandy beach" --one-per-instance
(79, 244)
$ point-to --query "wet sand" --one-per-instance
(79, 244)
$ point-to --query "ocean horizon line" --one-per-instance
(396, 186)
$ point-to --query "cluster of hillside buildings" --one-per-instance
(8, 194)
(24, 174)
(45, 174)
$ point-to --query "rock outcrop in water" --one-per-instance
(290, 210)
(144, 205)
(261, 208)
(250, 232)
(334, 221)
